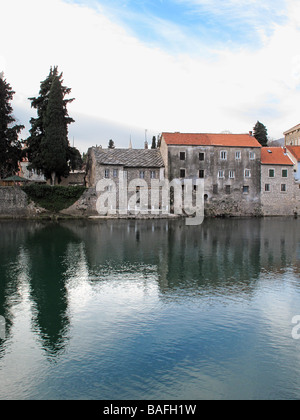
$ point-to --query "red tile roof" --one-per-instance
(295, 150)
(192, 139)
(274, 156)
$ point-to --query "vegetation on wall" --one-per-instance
(53, 198)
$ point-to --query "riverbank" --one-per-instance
(15, 203)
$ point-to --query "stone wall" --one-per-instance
(276, 202)
(74, 178)
(234, 192)
(85, 206)
(14, 203)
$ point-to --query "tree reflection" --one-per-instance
(47, 249)
(220, 257)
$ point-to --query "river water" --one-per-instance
(150, 310)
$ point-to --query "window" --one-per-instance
(252, 155)
(231, 174)
(152, 174)
(245, 189)
(271, 173)
(267, 187)
(106, 173)
(284, 173)
(201, 156)
(182, 155)
(201, 173)
(238, 155)
(115, 173)
(182, 173)
(221, 174)
(215, 189)
(223, 155)
(138, 195)
(227, 189)
(283, 188)
(142, 174)
(247, 173)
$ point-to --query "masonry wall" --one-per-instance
(233, 194)
(74, 178)
(137, 181)
(277, 202)
(14, 203)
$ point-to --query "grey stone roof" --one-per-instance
(134, 158)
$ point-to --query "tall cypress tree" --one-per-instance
(10, 146)
(48, 147)
(54, 144)
(153, 146)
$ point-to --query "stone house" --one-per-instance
(230, 165)
(279, 192)
(292, 136)
(120, 167)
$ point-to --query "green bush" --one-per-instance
(55, 198)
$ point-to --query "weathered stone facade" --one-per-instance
(280, 194)
(122, 170)
(231, 172)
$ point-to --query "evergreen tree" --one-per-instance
(153, 143)
(10, 146)
(48, 147)
(261, 134)
(54, 144)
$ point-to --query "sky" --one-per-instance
(141, 67)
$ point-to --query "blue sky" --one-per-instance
(157, 65)
(175, 24)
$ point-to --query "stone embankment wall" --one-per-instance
(14, 203)
(85, 206)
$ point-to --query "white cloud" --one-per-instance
(115, 77)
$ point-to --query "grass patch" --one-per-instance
(53, 199)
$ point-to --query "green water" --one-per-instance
(150, 310)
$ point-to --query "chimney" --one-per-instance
(250, 133)
(146, 145)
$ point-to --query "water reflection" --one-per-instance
(54, 266)
(33, 253)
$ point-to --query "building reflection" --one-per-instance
(220, 257)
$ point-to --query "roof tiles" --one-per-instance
(274, 156)
(202, 139)
(134, 158)
(295, 150)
